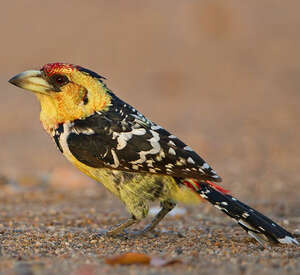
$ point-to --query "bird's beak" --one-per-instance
(32, 80)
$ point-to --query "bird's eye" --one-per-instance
(59, 80)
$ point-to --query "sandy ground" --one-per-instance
(222, 76)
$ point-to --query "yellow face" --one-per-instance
(66, 92)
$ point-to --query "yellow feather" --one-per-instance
(67, 105)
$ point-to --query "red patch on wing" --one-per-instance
(189, 185)
(194, 185)
(53, 68)
(217, 187)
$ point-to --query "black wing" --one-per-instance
(123, 139)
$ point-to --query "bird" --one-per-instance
(134, 158)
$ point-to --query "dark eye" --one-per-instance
(59, 80)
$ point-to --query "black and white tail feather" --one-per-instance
(258, 226)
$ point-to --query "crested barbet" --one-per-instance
(133, 157)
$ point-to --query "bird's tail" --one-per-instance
(256, 224)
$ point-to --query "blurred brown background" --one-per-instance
(222, 75)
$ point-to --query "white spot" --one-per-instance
(245, 215)
(172, 136)
(288, 239)
(203, 196)
(122, 140)
(234, 199)
(150, 162)
(171, 143)
(161, 155)
(154, 141)
(218, 207)
(63, 138)
(115, 135)
(190, 160)
(139, 132)
(115, 157)
(105, 154)
(172, 151)
(179, 163)
(182, 160)
(205, 165)
(224, 203)
(86, 131)
(273, 224)
(261, 228)
(187, 148)
(156, 127)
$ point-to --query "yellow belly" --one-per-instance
(136, 189)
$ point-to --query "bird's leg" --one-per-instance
(167, 206)
(119, 229)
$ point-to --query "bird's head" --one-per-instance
(66, 92)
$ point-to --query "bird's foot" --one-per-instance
(145, 232)
(119, 231)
